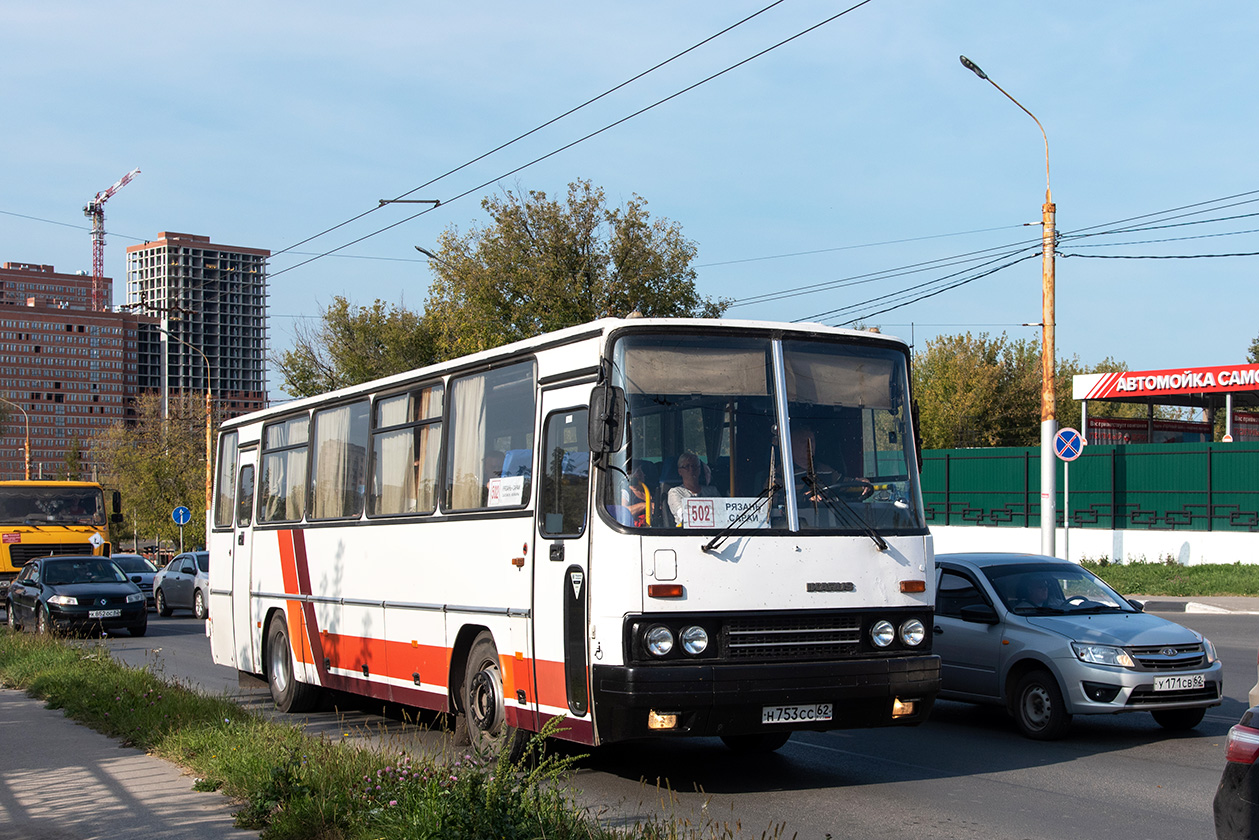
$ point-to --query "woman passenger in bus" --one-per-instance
(637, 499)
(691, 470)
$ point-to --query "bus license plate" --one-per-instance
(1180, 682)
(104, 613)
(796, 714)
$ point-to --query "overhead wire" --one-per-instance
(583, 139)
(536, 129)
(948, 283)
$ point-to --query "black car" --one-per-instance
(64, 593)
(1237, 797)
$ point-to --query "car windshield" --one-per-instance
(133, 563)
(102, 570)
(1053, 589)
(707, 445)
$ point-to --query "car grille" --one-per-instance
(1169, 657)
(95, 603)
(1145, 695)
(793, 637)
(21, 552)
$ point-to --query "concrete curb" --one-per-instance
(1194, 607)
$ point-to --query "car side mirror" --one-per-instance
(979, 614)
(1136, 605)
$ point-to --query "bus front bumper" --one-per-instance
(733, 699)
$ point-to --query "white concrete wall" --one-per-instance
(1190, 548)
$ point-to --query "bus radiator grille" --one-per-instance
(775, 638)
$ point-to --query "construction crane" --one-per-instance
(95, 210)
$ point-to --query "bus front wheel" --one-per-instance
(484, 706)
(289, 694)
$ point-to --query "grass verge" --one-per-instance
(1170, 578)
(293, 785)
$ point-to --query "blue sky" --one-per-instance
(858, 149)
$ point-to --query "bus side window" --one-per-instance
(245, 496)
(565, 487)
(491, 417)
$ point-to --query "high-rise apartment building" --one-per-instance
(68, 371)
(209, 299)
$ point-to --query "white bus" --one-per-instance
(645, 527)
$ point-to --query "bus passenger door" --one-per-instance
(248, 656)
(561, 557)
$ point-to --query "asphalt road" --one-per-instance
(966, 773)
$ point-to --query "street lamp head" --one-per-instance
(973, 67)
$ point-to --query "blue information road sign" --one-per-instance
(181, 515)
(1068, 444)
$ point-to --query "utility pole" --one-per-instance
(1048, 408)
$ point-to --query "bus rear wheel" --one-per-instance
(484, 706)
(289, 694)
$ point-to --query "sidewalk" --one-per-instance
(1216, 604)
(62, 781)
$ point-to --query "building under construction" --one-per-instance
(209, 299)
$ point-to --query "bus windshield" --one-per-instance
(706, 446)
(47, 505)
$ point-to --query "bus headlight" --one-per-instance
(659, 640)
(882, 633)
(694, 639)
(912, 633)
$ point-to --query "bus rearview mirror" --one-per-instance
(607, 416)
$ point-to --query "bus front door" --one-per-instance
(561, 558)
(248, 656)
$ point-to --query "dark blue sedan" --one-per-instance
(75, 593)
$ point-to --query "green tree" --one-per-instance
(983, 391)
(158, 464)
(1252, 355)
(71, 466)
(542, 264)
(353, 344)
(978, 391)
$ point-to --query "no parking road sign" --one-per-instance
(1068, 444)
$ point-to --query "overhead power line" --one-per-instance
(538, 128)
(583, 139)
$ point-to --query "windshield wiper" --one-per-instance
(848, 514)
(724, 533)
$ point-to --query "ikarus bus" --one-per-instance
(640, 527)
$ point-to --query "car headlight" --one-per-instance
(135, 598)
(694, 640)
(659, 640)
(882, 633)
(1208, 648)
(1103, 655)
(912, 633)
(64, 601)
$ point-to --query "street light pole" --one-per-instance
(1048, 411)
(209, 406)
(28, 434)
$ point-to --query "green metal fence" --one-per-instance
(1168, 487)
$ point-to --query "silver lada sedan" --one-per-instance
(1048, 639)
